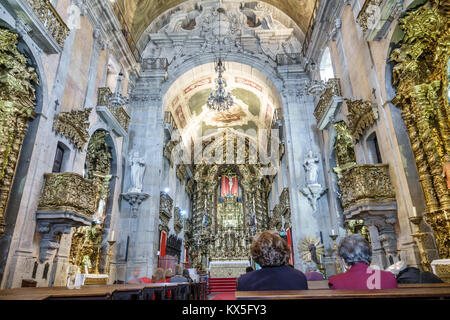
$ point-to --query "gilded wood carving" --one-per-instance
(420, 77)
(17, 103)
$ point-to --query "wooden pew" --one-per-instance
(323, 284)
(326, 294)
(92, 292)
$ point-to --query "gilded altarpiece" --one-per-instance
(17, 103)
(421, 81)
(87, 242)
(229, 208)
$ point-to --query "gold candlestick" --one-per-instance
(335, 249)
(420, 237)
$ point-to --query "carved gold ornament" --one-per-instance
(68, 191)
(17, 96)
(51, 20)
(366, 182)
(362, 115)
(420, 77)
(74, 126)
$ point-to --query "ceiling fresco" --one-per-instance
(139, 14)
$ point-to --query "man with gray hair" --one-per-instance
(178, 277)
(356, 255)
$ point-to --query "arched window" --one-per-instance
(326, 68)
(373, 150)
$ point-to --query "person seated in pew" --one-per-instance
(272, 253)
(168, 274)
(312, 272)
(356, 255)
(187, 275)
(158, 275)
(178, 277)
(249, 269)
(405, 274)
(134, 278)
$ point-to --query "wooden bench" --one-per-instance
(436, 292)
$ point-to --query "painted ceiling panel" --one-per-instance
(138, 14)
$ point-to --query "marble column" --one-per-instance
(145, 135)
(301, 137)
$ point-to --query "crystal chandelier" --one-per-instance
(219, 100)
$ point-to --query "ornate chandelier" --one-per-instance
(219, 100)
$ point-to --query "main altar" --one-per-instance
(229, 209)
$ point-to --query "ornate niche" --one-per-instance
(74, 126)
(87, 242)
(17, 96)
(420, 78)
(165, 211)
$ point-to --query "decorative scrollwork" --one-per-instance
(362, 115)
(17, 96)
(68, 191)
(74, 126)
(365, 183)
(420, 77)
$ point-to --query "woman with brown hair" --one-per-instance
(158, 275)
(272, 253)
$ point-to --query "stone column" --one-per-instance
(299, 121)
(146, 135)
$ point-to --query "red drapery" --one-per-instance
(225, 187)
(162, 244)
(289, 241)
(186, 254)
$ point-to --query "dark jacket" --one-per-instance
(272, 278)
(358, 277)
(414, 275)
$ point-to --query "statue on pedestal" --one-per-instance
(137, 166)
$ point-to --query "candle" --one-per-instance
(332, 232)
(414, 212)
(112, 236)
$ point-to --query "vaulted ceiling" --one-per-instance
(139, 14)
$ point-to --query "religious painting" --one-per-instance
(180, 116)
(226, 117)
(197, 84)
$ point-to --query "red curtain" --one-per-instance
(235, 188)
(225, 187)
(289, 241)
(186, 255)
(162, 244)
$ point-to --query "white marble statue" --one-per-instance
(137, 166)
(311, 167)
